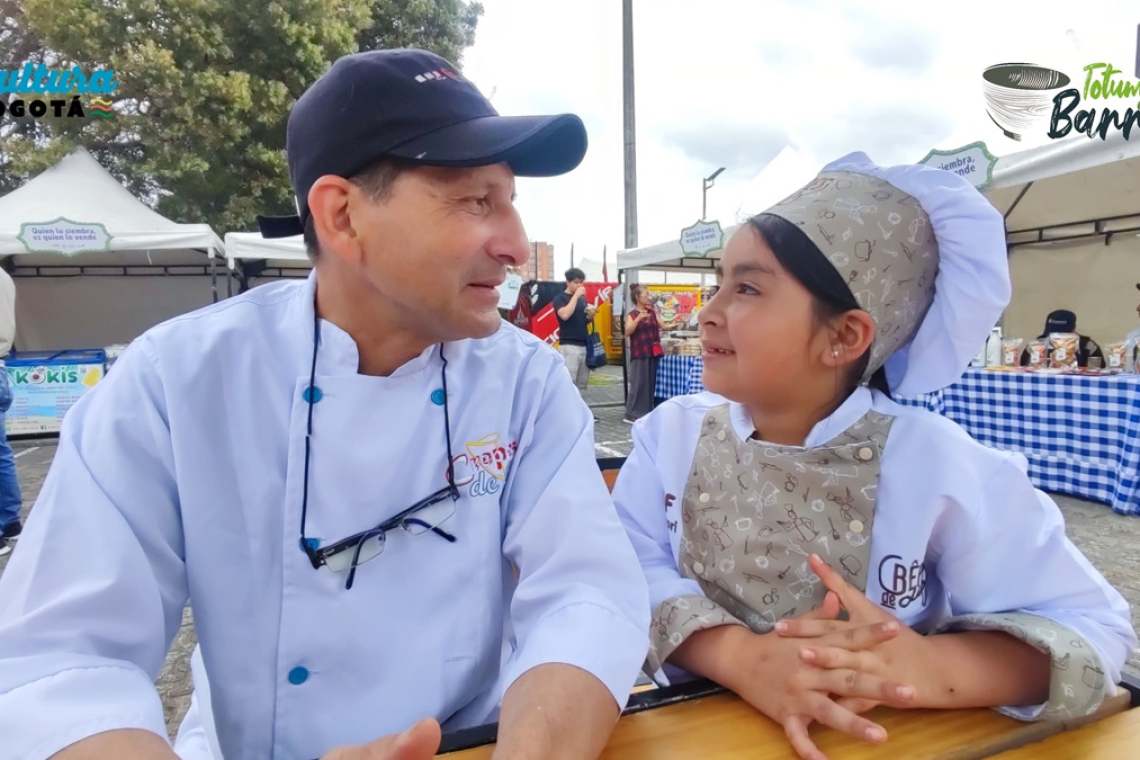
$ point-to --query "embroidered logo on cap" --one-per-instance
(437, 75)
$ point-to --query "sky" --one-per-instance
(732, 82)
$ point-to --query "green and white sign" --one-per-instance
(973, 161)
(702, 238)
(42, 395)
(64, 236)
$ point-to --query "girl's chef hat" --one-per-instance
(924, 254)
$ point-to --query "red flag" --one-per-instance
(605, 267)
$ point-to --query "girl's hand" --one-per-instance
(905, 657)
(774, 679)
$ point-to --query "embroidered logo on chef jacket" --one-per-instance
(902, 582)
(483, 467)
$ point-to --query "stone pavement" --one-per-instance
(1111, 541)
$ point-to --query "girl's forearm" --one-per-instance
(984, 669)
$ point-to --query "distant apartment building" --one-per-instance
(541, 264)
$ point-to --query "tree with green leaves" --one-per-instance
(204, 88)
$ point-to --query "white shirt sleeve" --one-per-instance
(581, 597)
(94, 594)
(640, 500)
(1008, 552)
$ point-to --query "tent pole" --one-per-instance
(214, 274)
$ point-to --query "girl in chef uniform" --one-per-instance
(802, 476)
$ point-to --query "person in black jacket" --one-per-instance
(1064, 321)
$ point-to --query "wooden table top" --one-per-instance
(724, 727)
(1114, 738)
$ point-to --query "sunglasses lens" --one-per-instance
(430, 517)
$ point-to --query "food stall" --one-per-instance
(94, 268)
(680, 341)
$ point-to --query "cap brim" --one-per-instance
(533, 146)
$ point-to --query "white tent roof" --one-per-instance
(1070, 188)
(283, 252)
(276, 258)
(78, 188)
(788, 170)
(670, 256)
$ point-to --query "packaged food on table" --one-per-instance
(1038, 353)
(1063, 349)
(1117, 357)
(1011, 352)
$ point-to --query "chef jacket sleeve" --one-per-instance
(94, 593)
(1008, 565)
(580, 598)
(641, 501)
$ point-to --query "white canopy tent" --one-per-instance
(1072, 211)
(267, 259)
(148, 268)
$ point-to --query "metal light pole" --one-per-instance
(630, 131)
(708, 182)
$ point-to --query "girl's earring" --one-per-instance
(835, 352)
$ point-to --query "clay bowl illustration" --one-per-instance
(1019, 96)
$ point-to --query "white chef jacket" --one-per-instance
(180, 475)
(966, 515)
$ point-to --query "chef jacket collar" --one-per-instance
(338, 354)
(848, 413)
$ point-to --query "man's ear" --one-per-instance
(851, 334)
(330, 210)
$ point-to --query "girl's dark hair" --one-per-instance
(804, 261)
(635, 290)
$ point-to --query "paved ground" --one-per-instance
(1111, 541)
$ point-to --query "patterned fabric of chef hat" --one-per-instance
(924, 254)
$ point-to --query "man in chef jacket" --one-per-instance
(344, 474)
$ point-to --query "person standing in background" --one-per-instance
(644, 333)
(574, 317)
(10, 497)
(1133, 338)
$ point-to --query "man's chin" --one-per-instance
(473, 326)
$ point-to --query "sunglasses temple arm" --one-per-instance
(355, 560)
(443, 534)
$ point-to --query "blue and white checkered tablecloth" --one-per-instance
(1081, 434)
(675, 376)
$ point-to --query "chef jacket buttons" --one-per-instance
(864, 454)
(312, 394)
(705, 498)
(698, 568)
(856, 526)
(438, 397)
(721, 435)
(298, 675)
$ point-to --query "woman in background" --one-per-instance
(644, 333)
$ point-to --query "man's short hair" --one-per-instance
(574, 273)
(376, 180)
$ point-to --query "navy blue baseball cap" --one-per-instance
(411, 105)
